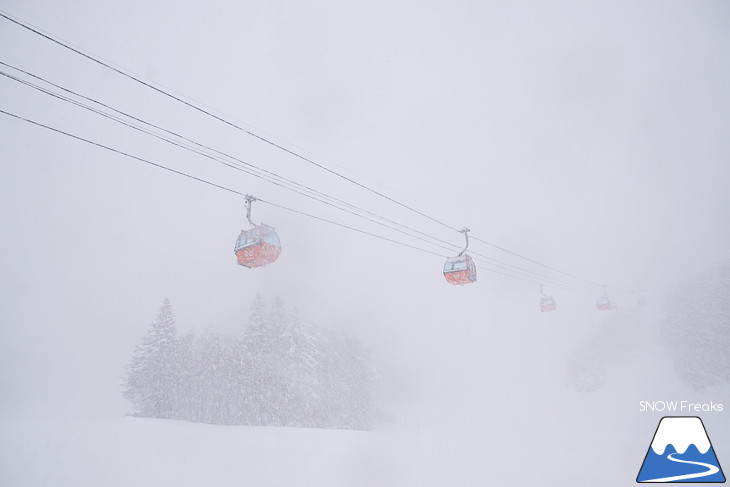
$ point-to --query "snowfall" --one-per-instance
(129, 451)
(486, 438)
(498, 424)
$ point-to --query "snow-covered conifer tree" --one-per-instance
(301, 404)
(281, 372)
(190, 389)
(346, 382)
(696, 328)
(262, 376)
(153, 374)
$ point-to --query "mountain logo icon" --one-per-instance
(680, 452)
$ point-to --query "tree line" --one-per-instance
(692, 330)
(279, 371)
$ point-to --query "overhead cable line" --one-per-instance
(176, 143)
(486, 259)
(536, 262)
(196, 178)
(149, 124)
(225, 163)
(179, 99)
(217, 117)
(68, 134)
(239, 193)
(489, 260)
(537, 282)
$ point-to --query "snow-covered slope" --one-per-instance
(135, 452)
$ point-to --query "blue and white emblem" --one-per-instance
(681, 452)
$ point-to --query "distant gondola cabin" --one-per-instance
(604, 304)
(460, 270)
(258, 246)
(548, 304)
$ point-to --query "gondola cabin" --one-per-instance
(548, 304)
(605, 304)
(460, 270)
(258, 246)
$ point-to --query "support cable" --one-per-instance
(450, 248)
(193, 106)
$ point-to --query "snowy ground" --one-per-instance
(488, 431)
(141, 452)
(495, 425)
(480, 440)
(128, 451)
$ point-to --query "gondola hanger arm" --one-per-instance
(249, 200)
(465, 231)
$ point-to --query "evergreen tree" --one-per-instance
(346, 383)
(281, 372)
(696, 328)
(216, 379)
(302, 401)
(616, 341)
(153, 374)
(190, 391)
(262, 377)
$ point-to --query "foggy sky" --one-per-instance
(589, 136)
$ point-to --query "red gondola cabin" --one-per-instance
(548, 304)
(460, 270)
(604, 304)
(258, 246)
